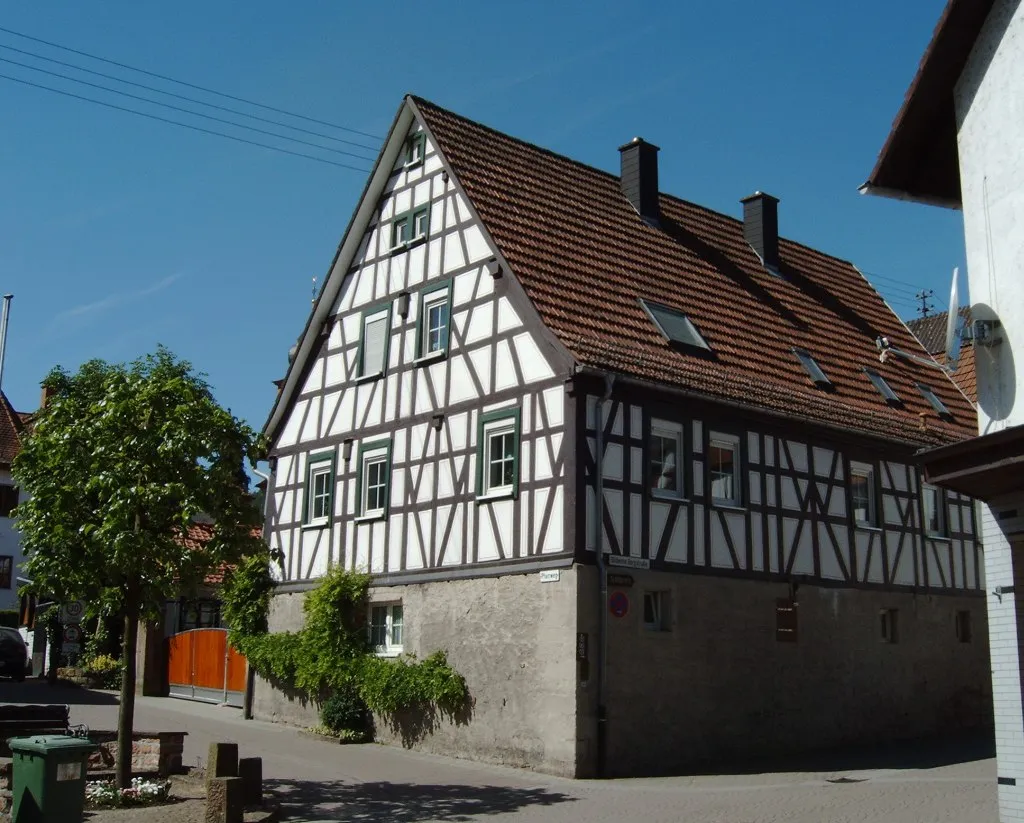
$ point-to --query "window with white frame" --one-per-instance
(934, 511)
(657, 612)
(724, 467)
(415, 148)
(862, 494)
(400, 230)
(420, 222)
(319, 489)
(498, 454)
(665, 458)
(386, 628)
(373, 345)
(434, 320)
(374, 479)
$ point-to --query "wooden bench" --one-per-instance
(19, 721)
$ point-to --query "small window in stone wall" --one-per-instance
(963, 627)
(887, 623)
(785, 620)
(657, 611)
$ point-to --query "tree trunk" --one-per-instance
(126, 714)
(55, 636)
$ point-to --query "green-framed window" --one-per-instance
(318, 500)
(373, 482)
(410, 226)
(497, 454)
(374, 341)
(415, 148)
(433, 323)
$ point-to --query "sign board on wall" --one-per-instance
(628, 562)
(550, 576)
(618, 604)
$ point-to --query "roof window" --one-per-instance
(813, 369)
(884, 388)
(675, 325)
(933, 398)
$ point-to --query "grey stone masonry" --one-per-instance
(224, 800)
(250, 770)
(221, 762)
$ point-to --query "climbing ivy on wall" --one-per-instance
(331, 652)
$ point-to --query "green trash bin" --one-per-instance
(49, 778)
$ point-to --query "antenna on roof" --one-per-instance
(954, 330)
(953, 337)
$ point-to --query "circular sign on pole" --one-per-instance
(72, 612)
(618, 604)
(72, 634)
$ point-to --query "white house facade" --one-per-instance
(581, 486)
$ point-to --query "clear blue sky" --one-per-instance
(117, 233)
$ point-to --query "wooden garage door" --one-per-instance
(202, 666)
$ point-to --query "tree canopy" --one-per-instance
(120, 459)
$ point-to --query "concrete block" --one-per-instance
(221, 762)
(224, 799)
(250, 771)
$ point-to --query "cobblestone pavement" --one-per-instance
(318, 781)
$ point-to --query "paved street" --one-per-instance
(323, 782)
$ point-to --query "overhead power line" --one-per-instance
(195, 100)
(183, 125)
(184, 110)
(189, 85)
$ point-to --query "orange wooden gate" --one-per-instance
(202, 666)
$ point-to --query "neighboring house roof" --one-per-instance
(12, 426)
(931, 331)
(585, 258)
(199, 534)
(919, 160)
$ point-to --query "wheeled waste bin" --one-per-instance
(49, 778)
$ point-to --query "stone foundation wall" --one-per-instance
(152, 752)
(718, 686)
(511, 637)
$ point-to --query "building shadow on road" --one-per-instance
(403, 802)
(928, 753)
(39, 691)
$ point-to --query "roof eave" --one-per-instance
(876, 190)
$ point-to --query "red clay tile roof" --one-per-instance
(12, 425)
(584, 257)
(931, 331)
(198, 536)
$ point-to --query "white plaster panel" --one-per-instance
(612, 463)
(554, 406)
(677, 549)
(635, 510)
(480, 362)
(659, 517)
(454, 259)
(505, 373)
(460, 386)
(534, 365)
(699, 549)
(830, 567)
(798, 452)
(720, 555)
(757, 541)
(754, 488)
(613, 504)
(822, 461)
(769, 450)
(698, 437)
(556, 538)
(753, 447)
(476, 245)
(773, 543)
(636, 465)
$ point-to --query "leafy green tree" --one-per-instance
(119, 461)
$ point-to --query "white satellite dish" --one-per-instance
(954, 331)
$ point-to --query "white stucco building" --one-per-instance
(12, 424)
(958, 141)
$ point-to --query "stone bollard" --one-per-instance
(221, 762)
(250, 770)
(224, 800)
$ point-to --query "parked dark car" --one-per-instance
(13, 654)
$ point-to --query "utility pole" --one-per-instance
(924, 296)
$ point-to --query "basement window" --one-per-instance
(884, 388)
(813, 369)
(928, 394)
(675, 326)
(387, 624)
(887, 625)
(963, 627)
(656, 611)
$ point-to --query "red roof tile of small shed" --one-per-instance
(584, 258)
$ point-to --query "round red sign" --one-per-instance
(618, 604)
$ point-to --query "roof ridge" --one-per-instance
(421, 101)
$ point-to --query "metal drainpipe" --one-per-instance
(602, 573)
(250, 675)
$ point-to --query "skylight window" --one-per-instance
(813, 369)
(884, 388)
(933, 398)
(675, 325)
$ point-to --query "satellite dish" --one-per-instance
(954, 331)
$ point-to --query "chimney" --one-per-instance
(45, 396)
(761, 227)
(639, 177)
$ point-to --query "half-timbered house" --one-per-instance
(635, 464)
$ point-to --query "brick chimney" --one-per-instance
(761, 227)
(639, 177)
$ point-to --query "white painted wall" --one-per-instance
(990, 113)
(10, 544)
